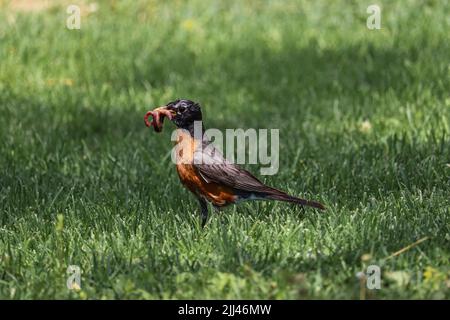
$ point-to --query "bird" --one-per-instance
(204, 171)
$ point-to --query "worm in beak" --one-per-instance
(158, 115)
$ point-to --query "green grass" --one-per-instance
(364, 119)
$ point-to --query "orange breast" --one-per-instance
(215, 193)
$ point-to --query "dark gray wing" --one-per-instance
(213, 167)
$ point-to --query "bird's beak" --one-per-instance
(158, 115)
(166, 111)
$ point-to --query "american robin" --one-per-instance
(204, 171)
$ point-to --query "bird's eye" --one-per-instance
(181, 108)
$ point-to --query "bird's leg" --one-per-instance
(203, 210)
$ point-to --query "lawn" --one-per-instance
(364, 120)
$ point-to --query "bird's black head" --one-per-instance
(184, 113)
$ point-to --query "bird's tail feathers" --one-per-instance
(281, 196)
